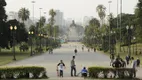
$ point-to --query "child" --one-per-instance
(84, 72)
(60, 67)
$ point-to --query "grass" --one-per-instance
(6, 56)
(124, 51)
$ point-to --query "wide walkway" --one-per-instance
(65, 53)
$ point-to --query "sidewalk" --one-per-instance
(139, 73)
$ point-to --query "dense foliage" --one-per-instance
(103, 72)
(23, 72)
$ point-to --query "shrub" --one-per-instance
(24, 47)
(103, 72)
(22, 72)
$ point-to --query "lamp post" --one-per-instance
(120, 22)
(33, 2)
(30, 34)
(13, 30)
(109, 24)
(133, 44)
(112, 41)
(40, 35)
(129, 32)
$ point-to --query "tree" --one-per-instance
(23, 14)
(4, 29)
(52, 13)
(56, 31)
(138, 14)
(42, 21)
(21, 35)
(101, 12)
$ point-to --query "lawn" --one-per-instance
(6, 55)
(124, 51)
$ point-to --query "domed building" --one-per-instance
(75, 32)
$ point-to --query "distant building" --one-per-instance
(59, 18)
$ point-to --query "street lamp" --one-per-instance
(40, 35)
(30, 34)
(129, 32)
(33, 10)
(109, 23)
(112, 41)
(13, 30)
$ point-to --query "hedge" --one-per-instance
(108, 73)
(23, 72)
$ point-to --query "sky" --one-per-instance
(75, 9)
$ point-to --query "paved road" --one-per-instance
(83, 58)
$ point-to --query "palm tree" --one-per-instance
(101, 12)
(52, 13)
(23, 14)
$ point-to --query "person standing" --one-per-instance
(73, 66)
(60, 68)
(134, 66)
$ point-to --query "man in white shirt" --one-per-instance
(60, 68)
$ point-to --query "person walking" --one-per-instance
(60, 68)
(75, 51)
(73, 66)
(112, 59)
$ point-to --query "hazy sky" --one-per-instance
(75, 9)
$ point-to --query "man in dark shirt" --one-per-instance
(116, 63)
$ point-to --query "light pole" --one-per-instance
(120, 22)
(129, 32)
(133, 44)
(13, 30)
(40, 26)
(112, 41)
(40, 35)
(30, 34)
(109, 23)
(33, 2)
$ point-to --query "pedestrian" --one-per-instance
(60, 68)
(116, 64)
(83, 72)
(123, 63)
(75, 51)
(134, 66)
(73, 66)
(127, 59)
(112, 59)
(138, 62)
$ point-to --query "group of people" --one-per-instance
(61, 66)
(119, 62)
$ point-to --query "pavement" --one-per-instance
(65, 53)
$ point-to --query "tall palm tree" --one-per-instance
(52, 13)
(23, 14)
(101, 12)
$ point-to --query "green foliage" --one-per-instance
(24, 47)
(3, 15)
(101, 12)
(21, 35)
(22, 72)
(104, 72)
(23, 14)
